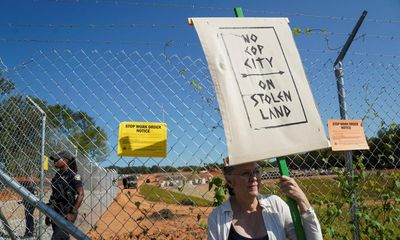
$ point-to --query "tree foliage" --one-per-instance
(20, 136)
(21, 130)
(81, 129)
(384, 152)
(161, 169)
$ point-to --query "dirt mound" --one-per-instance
(163, 214)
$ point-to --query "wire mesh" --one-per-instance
(21, 141)
(86, 94)
(20, 153)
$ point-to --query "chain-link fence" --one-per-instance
(86, 94)
(20, 153)
(24, 138)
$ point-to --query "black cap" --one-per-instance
(62, 154)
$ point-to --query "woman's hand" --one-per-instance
(290, 188)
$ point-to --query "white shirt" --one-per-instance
(277, 220)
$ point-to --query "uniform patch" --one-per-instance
(77, 177)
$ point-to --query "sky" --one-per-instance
(30, 28)
(27, 26)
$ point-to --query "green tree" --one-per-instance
(81, 129)
(19, 127)
(20, 136)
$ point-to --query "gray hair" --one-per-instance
(228, 171)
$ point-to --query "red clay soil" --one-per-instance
(152, 220)
(7, 194)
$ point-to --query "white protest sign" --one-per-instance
(265, 101)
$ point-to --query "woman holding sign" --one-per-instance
(249, 215)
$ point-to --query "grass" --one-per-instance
(371, 190)
(316, 189)
(328, 189)
(319, 191)
(341, 224)
(156, 194)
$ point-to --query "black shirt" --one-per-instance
(64, 187)
(233, 235)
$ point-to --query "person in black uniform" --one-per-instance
(67, 191)
(29, 209)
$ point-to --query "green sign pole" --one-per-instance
(283, 169)
(294, 210)
(238, 12)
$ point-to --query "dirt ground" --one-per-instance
(149, 220)
(130, 216)
(124, 220)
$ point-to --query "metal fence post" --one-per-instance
(348, 155)
(91, 194)
(338, 69)
(41, 195)
(101, 190)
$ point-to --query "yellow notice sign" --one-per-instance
(46, 163)
(347, 135)
(142, 139)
